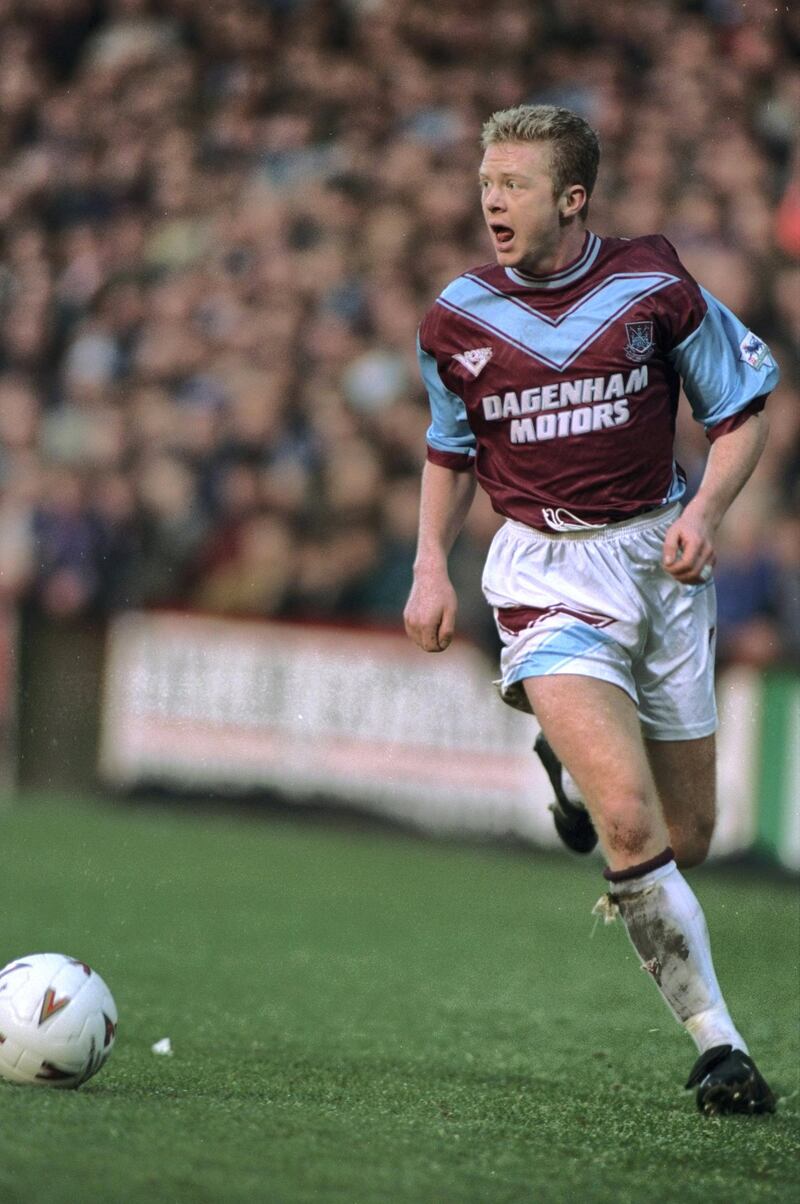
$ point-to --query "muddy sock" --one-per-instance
(668, 930)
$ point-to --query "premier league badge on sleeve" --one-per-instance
(640, 345)
(753, 350)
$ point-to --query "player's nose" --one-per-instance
(493, 200)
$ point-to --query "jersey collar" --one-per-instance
(573, 271)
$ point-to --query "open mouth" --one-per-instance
(503, 235)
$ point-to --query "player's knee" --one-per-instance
(627, 826)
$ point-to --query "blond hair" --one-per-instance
(575, 147)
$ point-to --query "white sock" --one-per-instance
(667, 928)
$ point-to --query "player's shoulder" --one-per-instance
(647, 252)
(445, 310)
(677, 296)
(484, 274)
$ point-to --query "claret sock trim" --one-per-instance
(639, 871)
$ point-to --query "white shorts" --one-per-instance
(597, 603)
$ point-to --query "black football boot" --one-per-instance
(728, 1080)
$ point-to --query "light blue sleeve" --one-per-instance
(449, 431)
(723, 365)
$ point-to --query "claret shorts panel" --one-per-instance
(598, 603)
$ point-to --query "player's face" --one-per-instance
(518, 203)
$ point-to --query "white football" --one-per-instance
(58, 1021)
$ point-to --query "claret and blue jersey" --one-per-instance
(561, 391)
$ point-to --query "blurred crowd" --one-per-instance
(221, 223)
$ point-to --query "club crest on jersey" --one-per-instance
(474, 361)
(640, 345)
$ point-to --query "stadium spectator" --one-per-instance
(221, 222)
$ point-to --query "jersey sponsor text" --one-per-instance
(589, 404)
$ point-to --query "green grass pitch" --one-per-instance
(359, 1017)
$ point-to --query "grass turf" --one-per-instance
(359, 1017)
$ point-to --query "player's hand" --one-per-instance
(688, 549)
(430, 613)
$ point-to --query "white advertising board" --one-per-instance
(358, 716)
(362, 718)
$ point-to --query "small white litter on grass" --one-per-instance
(163, 1047)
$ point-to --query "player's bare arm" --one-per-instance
(430, 613)
(689, 543)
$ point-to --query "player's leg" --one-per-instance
(667, 928)
(594, 729)
(685, 776)
(675, 687)
(684, 772)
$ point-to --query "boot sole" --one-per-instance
(751, 1097)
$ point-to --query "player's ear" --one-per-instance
(572, 201)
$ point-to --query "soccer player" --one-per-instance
(553, 376)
